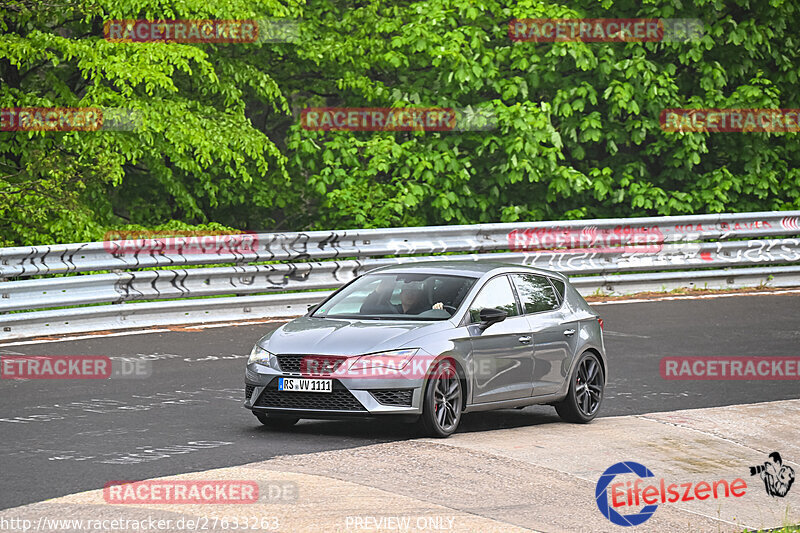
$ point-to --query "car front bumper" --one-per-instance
(351, 397)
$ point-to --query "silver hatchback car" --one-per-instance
(431, 341)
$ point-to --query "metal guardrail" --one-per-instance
(216, 281)
(612, 255)
(317, 245)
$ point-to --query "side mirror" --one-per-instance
(490, 315)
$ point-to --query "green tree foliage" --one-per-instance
(196, 157)
(577, 133)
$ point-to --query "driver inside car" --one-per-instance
(412, 301)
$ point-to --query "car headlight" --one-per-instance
(259, 355)
(395, 359)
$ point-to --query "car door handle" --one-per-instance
(525, 339)
(569, 332)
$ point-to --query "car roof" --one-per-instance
(473, 269)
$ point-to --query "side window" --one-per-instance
(497, 294)
(559, 286)
(535, 293)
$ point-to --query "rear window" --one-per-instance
(535, 293)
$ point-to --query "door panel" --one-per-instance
(548, 324)
(552, 352)
(502, 354)
(502, 364)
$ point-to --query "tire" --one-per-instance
(442, 401)
(276, 421)
(585, 394)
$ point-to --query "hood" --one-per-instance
(325, 336)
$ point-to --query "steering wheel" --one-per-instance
(450, 308)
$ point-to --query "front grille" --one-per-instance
(248, 391)
(400, 397)
(310, 364)
(339, 400)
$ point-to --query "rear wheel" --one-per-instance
(441, 403)
(276, 421)
(585, 391)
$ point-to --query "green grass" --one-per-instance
(785, 529)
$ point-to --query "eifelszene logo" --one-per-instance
(601, 494)
(634, 494)
(777, 477)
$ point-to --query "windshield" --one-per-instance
(401, 296)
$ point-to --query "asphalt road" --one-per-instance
(60, 437)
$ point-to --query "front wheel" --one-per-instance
(441, 404)
(585, 391)
(275, 421)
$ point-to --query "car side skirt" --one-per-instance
(518, 402)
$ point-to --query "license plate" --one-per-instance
(305, 385)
